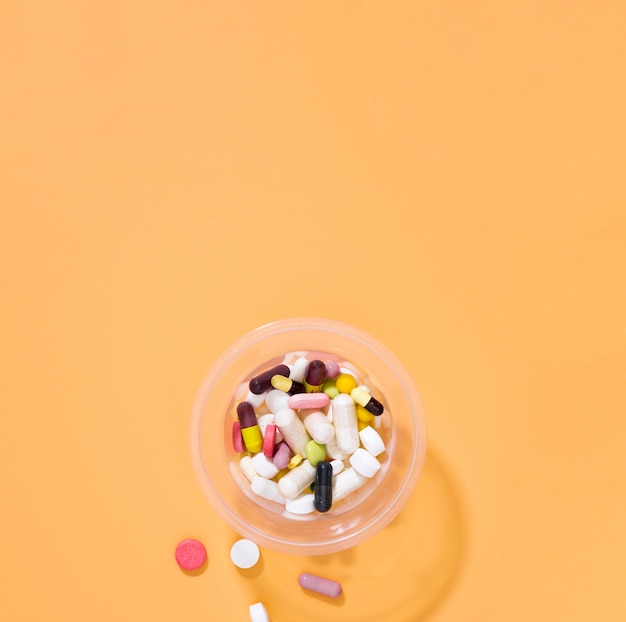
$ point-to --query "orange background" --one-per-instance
(447, 176)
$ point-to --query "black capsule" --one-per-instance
(323, 492)
(263, 382)
(374, 406)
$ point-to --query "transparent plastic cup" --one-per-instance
(361, 514)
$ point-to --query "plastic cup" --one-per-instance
(364, 512)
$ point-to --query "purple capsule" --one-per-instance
(282, 455)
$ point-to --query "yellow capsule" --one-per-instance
(280, 474)
(363, 415)
(361, 425)
(345, 383)
(295, 461)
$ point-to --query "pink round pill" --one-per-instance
(332, 369)
(190, 554)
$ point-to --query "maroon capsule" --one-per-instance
(246, 415)
(315, 374)
(263, 382)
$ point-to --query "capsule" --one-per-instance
(346, 427)
(287, 385)
(327, 587)
(250, 430)
(323, 490)
(315, 375)
(363, 398)
(263, 382)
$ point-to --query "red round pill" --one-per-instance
(190, 554)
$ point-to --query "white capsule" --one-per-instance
(258, 613)
(346, 483)
(363, 462)
(294, 482)
(254, 399)
(318, 426)
(333, 451)
(264, 466)
(300, 505)
(338, 466)
(372, 441)
(247, 467)
(345, 422)
(276, 400)
(292, 429)
(298, 369)
(267, 488)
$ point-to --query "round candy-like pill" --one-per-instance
(315, 452)
(258, 613)
(190, 554)
(244, 553)
(345, 383)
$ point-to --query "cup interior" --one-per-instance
(361, 514)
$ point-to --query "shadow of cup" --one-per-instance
(401, 574)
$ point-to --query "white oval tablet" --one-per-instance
(298, 371)
(264, 466)
(372, 441)
(338, 466)
(266, 488)
(255, 399)
(244, 553)
(363, 462)
(300, 505)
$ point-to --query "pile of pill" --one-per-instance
(307, 432)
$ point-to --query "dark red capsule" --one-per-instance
(263, 382)
(246, 415)
(316, 373)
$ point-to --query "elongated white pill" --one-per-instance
(254, 399)
(346, 482)
(363, 462)
(293, 431)
(345, 422)
(338, 466)
(317, 425)
(292, 484)
(267, 488)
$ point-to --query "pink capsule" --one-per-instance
(282, 455)
(308, 400)
(327, 587)
(238, 445)
(332, 369)
(269, 440)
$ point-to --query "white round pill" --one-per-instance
(244, 553)
(372, 441)
(364, 463)
(258, 613)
